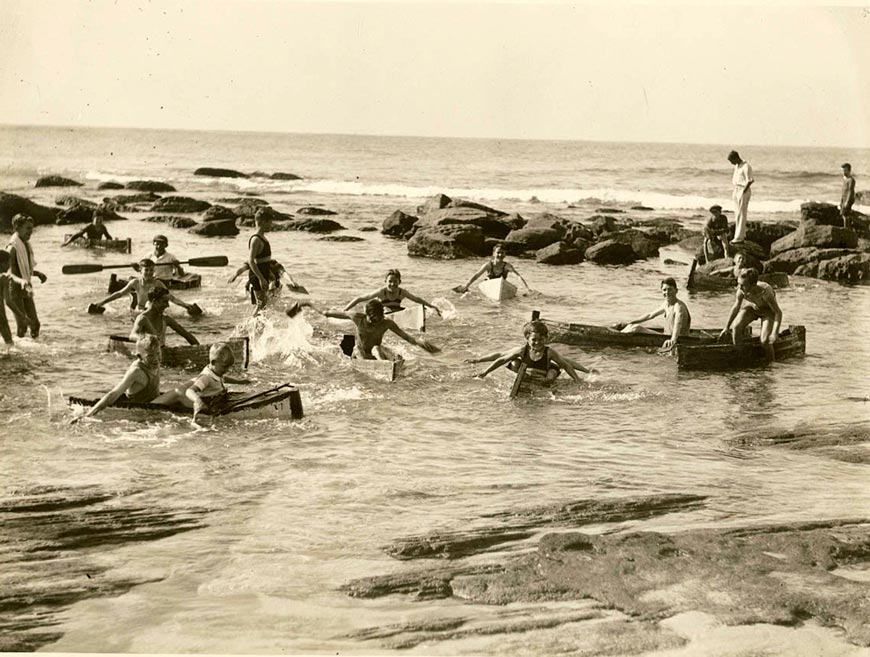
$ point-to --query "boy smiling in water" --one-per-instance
(391, 295)
(495, 268)
(535, 354)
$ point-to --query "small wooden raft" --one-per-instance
(497, 289)
(589, 335)
(791, 342)
(121, 246)
(188, 355)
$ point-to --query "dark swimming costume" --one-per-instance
(393, 302)
(490, 272)
(264, 263)
(151, 389)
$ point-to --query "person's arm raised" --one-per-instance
(361, 298)
(478, 274)
(178, 328)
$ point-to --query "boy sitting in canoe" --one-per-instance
(153, 321)
(761, 304)
(140, 287)
(391, 295)
(141, 382)
(95, 230)
(678, 321)
(495, 268)
(208, 390)
(370, 329)
(535, 354)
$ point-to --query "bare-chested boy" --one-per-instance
(370, 329)
(142, 285)
(760, 303)
(678, 320)
(153, 321)
(96, 230)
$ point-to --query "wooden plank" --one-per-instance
(790, 343)
(589, 335)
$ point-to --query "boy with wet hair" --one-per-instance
(153, 321)
(96, 230)
(391, 295)
(535, 354)
(140, 287)
(495, 268)
(761, 303)
(22, 265)
(678, 320)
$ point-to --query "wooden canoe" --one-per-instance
(186, 282)
(188, 355)
(412, 317)
(789, 343)
(121, 246)
(588, 335)
(701, 281)
(497, 289)
(384, 370)
(281, 402)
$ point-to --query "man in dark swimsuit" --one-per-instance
(262, 273)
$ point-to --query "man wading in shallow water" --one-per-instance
(22, 263)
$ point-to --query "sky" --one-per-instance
(778, 74)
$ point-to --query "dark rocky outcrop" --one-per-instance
(149, 186)
(180, 204)
(12, 204)
(642, 208)
(132, 199)
(560, 254)
(437, 202)
(789, 261)
(398, 224)
(491, 225)
(640, 242)
(315, 212)
(601, 224)
(284, 176)
(77, 213)
(341, 238)
(854, 268)
(819, 236)
(368, 229)
(313, 225)
(175, 222)
(67, 200)
(766, 234)
(110, 185)
(218, 213)
(530, 239)
(448, 242)
(665, 231)
(222, 228)
(219, 173)
(609, 211)
(459, 203)
(820, 214)
(57, 181)
(611, 252)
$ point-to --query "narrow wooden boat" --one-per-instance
(383, 370)
(412, 317)
(121, 246)
(188, 355)
(186, 282)
(588, 335)
(708, 282)
(789, 343)
(497, 289)
(281, 402)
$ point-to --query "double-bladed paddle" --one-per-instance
(90, 268)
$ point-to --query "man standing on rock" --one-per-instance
(22, 264)
(742, 180)
(847, 195)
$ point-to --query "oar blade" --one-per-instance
(209, 261)
(88, 268)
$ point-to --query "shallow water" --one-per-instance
(235, 537)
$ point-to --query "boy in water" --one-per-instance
(678, 321)
(141, 383)
(22, 265)
(6, 279)
(370, 329)
(95, 230)
(141, 286)
(495, 268)
(761, 304)
(392, 294)
(208, 390)
(153, 321)
(535, 354)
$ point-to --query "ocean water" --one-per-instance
(235, 537)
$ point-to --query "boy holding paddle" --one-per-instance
(141, 286)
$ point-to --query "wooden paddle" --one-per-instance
(90, 268)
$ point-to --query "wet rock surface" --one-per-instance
(57, 181)
(847, 443)
(175, 222)
(150, 186)
(53, 543)
(12, 204)
(180, 204)
(216, 172)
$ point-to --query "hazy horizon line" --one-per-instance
(402, 136)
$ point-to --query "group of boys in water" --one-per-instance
(754, 300)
